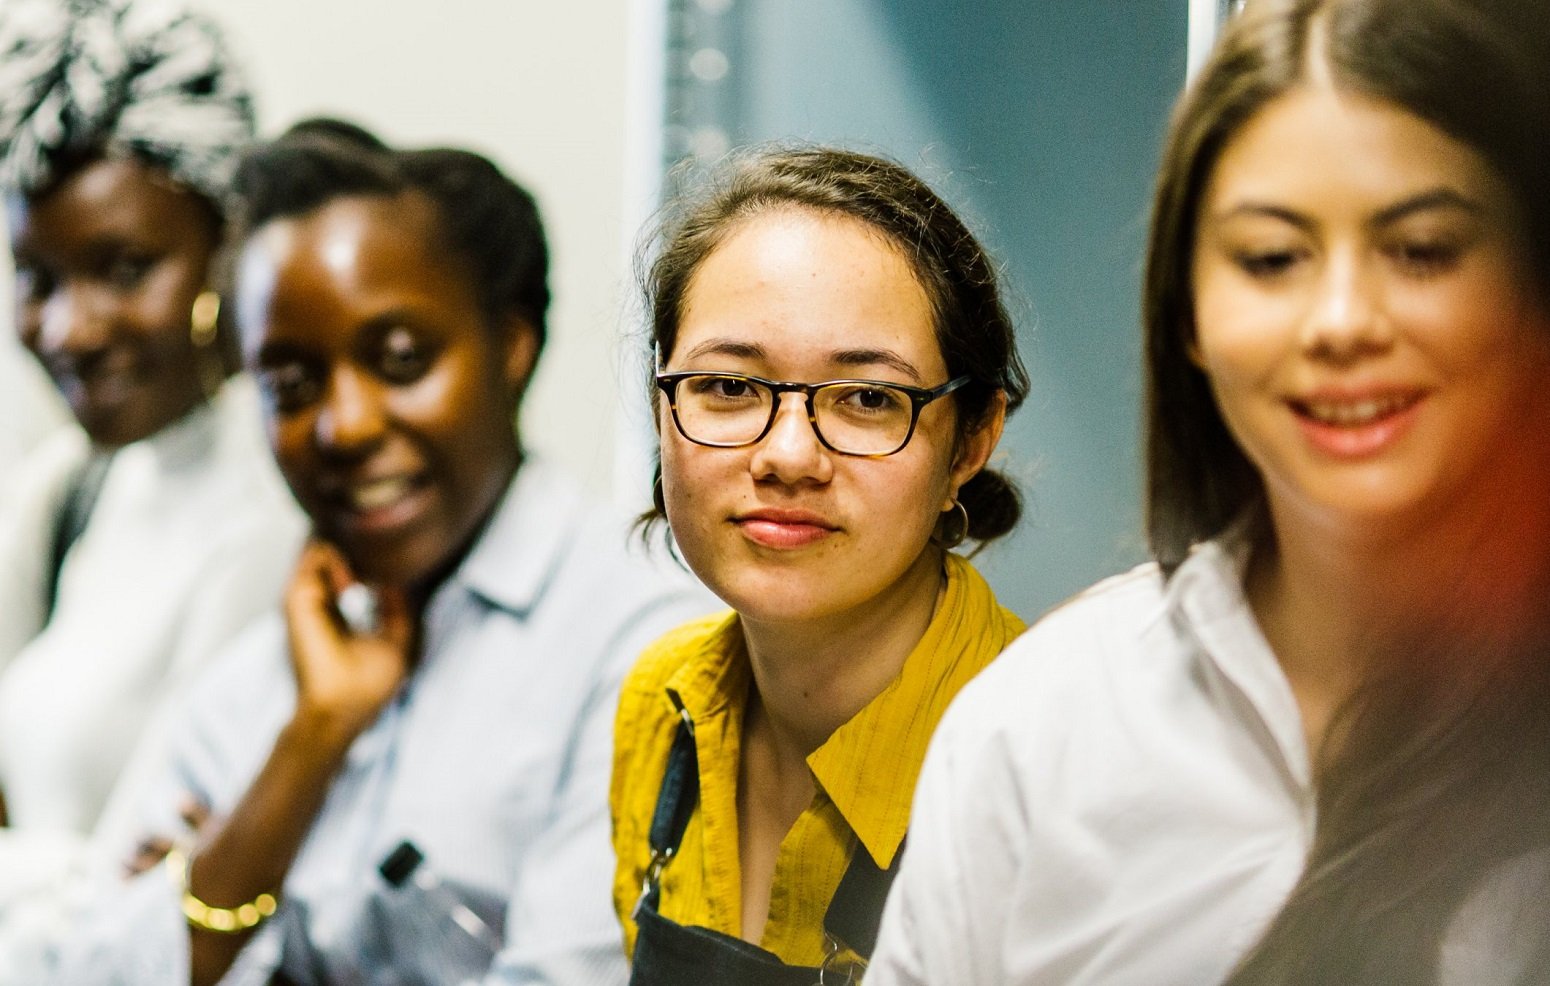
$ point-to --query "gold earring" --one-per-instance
(203, 319)
(950, 535)
(203, 324)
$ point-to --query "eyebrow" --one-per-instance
(842, 357)
(1263, 209)
(727, 347)
(1436, 198)
(877, 357)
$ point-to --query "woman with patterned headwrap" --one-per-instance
(132, 548)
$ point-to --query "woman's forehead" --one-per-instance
(808, 288)
(351, 260)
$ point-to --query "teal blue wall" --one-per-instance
(1040, 120)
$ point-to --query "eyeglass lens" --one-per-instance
(859, 418)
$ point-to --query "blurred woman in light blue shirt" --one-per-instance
(392, 305)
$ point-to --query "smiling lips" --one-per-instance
(382, 504)
(784, 529)
(1356, 425)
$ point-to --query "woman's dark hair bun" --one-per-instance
(992, 503)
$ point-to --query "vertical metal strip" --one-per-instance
(701, 109)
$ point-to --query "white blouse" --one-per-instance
(30, 410)
(1123, 797)
(192, 536)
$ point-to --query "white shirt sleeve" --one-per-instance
(132, 932)
(133, 935)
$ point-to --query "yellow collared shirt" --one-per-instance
(865, 771)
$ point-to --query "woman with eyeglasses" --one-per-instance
(834, 366)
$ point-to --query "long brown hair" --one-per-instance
(1475, 69)
(1430, 777)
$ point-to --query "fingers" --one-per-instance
(310, 610)
(194, 812)
(321, 577)
(342, 673)
(154, 848)
(321, 571)
(151, 851)
(334, 568)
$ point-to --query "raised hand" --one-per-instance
(343, 678)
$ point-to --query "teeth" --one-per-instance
(378, 494)
(1357, 412)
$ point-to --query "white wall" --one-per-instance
(542, 88)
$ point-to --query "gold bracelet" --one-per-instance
(222, 920)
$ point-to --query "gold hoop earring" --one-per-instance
(203, 319)
(952, 526)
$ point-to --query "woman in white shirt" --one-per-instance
(1304, 716)
(134, 547)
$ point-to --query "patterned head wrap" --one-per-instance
(148, 78)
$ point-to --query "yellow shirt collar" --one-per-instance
(869, 766)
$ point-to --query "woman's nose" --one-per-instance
(1346, 317)
(790, 451)
(351, 419)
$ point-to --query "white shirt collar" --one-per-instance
(1206, 600)
(526, 538)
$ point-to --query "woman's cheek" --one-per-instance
(685, 515)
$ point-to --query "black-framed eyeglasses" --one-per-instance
(851, 417)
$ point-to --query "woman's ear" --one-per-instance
(975, 448)
(519, 342)
(1192, 349)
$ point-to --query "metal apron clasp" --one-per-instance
(829, 972)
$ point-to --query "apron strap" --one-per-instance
(680, 790)
(854, 914)
(676, 801)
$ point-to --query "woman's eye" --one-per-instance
(403, 359)
(1264, 264)
(871, 400)
(289, 386)
(128, 270)
(723, 388)
(33, 284)
(1424, 257)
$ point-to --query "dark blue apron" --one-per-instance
(671, 954)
